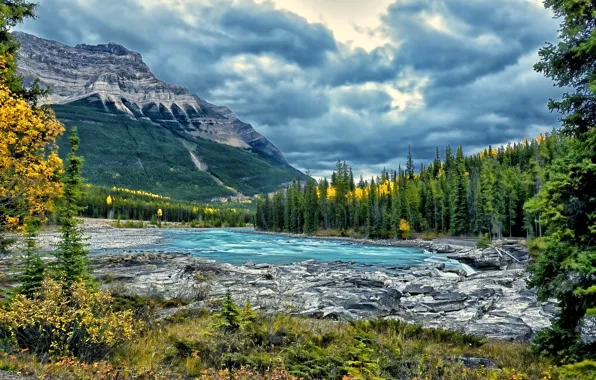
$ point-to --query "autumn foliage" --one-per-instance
(29, 164)
(82, 324)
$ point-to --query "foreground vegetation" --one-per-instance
(241, 344)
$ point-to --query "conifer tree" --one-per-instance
(436, 163)
(310, 207)
(410, 164)
(566, 268)
(230, 318)
(13, 13)
(71, 253)
(460, 217)
(33, 267)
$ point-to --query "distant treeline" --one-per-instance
(125, 204)
(458, 195)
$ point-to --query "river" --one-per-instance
(238, 247)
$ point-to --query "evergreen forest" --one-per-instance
(459, 195)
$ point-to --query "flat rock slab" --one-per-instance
(494, 303)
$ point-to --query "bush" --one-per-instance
(580, 371)
(58, 323)
(483, 242)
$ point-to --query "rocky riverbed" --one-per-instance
(492, 302)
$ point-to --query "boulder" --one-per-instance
(500, 327)
(587, 329)
(414, 289)
(472, 362)
(443, 248)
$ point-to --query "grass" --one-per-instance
(189, 345)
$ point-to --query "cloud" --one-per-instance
(436, 72)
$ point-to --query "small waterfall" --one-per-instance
(468, 269)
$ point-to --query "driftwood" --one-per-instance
(507, 253)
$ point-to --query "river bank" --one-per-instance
(491, 300)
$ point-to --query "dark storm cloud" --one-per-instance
(320, 101)
(469, 39)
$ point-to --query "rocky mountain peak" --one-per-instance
(117, 78)
(111, 48)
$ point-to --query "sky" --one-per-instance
(328, 80)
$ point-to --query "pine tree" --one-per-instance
(33, 267)
(436, 163)
(310, 207)
(230, 318)
(484, 199)
(460, 219)
(13, 13)
(71, 254)
(410, 164)
(566, 204)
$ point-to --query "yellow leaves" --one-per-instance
(29, 165)
(331, 192)
(139, 193)
(404, 225)
(404, 229)
(491, 153)
(159, 213)
(385, 188)
(109, 200)
(57, 315)
(360, 194)
(540, 138)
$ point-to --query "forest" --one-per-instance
(127, 204)
(455, 194)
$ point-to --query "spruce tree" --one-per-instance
(13, 13)
(310, 207)
(230, 318)
(436, 163)
(71, 253)
(33, 268)
(566, 204)
(460, 219)
(410, 164)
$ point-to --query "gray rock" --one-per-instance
(472, 362)
(418, 289)
(450, 297)
(587, 329)
(444, 249)
(500, 327)
(446, 306)
(493, 303)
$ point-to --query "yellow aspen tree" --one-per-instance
(30, 168)
(404, 229)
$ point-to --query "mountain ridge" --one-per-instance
(142, 133)
(122, 80)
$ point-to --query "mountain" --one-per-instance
(140, 132)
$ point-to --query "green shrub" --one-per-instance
(483, 242)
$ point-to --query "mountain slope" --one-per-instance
(140, 132)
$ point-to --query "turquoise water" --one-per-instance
(240, 247)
